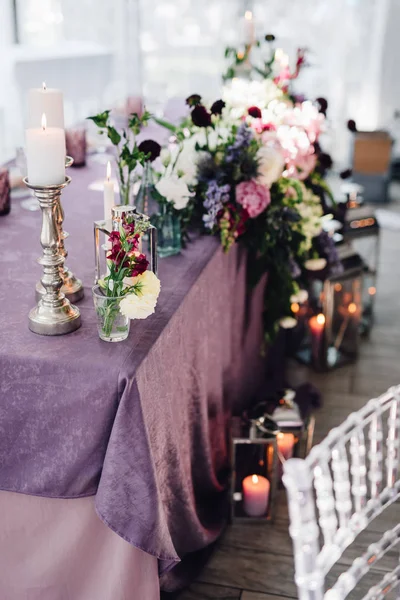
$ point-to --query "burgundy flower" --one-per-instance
(151, 148)
(140, 265)
(268, 127)
(255, 112)
(346, 174)
(351, 126)
(193, 100)
(325, 160)
(218, 107)
(323, 105)
(200, 116)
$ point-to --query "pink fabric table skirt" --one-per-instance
(55, 549)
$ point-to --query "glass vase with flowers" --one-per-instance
(129, 290)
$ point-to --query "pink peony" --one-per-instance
(253, 196)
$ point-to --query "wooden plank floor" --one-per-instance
(255, 562)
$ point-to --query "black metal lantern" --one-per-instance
(362, 231)
(254, 472)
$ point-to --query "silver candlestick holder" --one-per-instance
(53, 314)
(72, 287)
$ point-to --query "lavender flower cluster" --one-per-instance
(216, 197)
(242, 141)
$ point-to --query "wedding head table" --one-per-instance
(139, 428)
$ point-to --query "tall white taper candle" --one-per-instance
(108, 194)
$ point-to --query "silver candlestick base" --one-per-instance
(72, 287)
(53, 315)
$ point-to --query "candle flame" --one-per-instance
(338, 287)
(44, 122)
(44, 85)
(320, 319)
(352, 308)
(108, 171)
(254, 479)
(280, 436)
(372, 291)
(295, 307)
(248, 15)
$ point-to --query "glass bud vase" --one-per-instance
(145, 199)
(168, 232)
(112, 325)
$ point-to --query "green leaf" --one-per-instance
(101, 119)
(165, 124)
(113, 135)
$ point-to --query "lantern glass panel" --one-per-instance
(342, 310)
(252, 455)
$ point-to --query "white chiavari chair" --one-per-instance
(345, 482)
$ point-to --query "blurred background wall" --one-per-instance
(101, 52)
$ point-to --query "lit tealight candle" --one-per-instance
(108, 194)
(45, 100)
(45, 154)
(255, 495)
(285, 442)
(317, 328)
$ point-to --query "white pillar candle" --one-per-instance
(108, 194)
(45, 100)
(45, 155)
(255, 495)
(249, 28)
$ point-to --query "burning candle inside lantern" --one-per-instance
(255, 495)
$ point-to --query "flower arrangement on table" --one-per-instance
(129, 290)
(254, 179)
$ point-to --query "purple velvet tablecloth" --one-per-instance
(141, 424)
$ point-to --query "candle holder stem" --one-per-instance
(72, 287)
(53, 314)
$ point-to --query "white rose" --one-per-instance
(138, 307)
(175, 190)
(270, 165)
(150, 284)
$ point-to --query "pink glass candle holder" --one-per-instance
(5, 192)
(134, 105)
(75, 140)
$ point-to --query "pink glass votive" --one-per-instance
(134, 105)
(5, 192)
(75, 140)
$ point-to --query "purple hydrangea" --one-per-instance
(242, 141)
(216, 197)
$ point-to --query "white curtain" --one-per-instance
(166, 48)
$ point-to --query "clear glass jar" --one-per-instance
(168, 225)
(112, 325)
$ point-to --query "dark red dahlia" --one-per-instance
(193, 100)
(201, 117)
(346, 174)
(323, 105)
(255, 112)
(218, 107)
(151, 148)
(268, 127)
(351, 125)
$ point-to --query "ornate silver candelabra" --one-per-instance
(53, 314)
(72, 287)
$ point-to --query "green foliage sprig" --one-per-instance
(128, 153)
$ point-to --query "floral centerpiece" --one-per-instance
(254, 178)
(129, 290)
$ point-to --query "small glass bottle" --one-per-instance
(168, 227)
